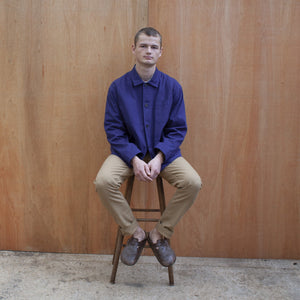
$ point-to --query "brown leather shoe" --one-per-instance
(163, 252)
(132, 251)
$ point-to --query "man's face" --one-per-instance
(147, 50)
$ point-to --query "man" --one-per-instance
(145, 124)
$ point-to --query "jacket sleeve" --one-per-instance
(176, 128)
(116, 132)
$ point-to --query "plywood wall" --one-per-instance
(238, 63)
(57, 61)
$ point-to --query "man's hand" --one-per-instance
(141, 170)
(155, 165)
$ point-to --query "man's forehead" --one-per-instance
(145, 39)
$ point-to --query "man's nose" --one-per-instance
(149, 49)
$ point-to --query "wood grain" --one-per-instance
(57, 61)
(238, 63)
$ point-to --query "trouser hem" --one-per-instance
(130, 229)
(164, 231)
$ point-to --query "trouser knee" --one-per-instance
(197, 183)
(192, 186)
(193, 183)
(105, 183)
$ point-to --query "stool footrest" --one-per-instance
(146, 209)
(145, 247)
(147, 220)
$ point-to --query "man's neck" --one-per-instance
(145, 72)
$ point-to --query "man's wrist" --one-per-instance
(161, 156)
(134, 158)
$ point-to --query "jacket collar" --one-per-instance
(137, 80)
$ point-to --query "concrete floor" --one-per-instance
(29, 276)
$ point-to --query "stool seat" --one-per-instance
(120, 236)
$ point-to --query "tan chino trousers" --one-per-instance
(179, 174)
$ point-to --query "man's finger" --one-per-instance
(147, 170)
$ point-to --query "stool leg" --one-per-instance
(120, 236)
(161, 194)
(162, 205)
(129, 188)
(118, 248)
(171, 275)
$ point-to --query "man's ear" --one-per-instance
(133, 48)
(161, 51)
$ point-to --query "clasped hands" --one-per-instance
(147, 171)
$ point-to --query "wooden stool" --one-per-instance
(120, 236)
